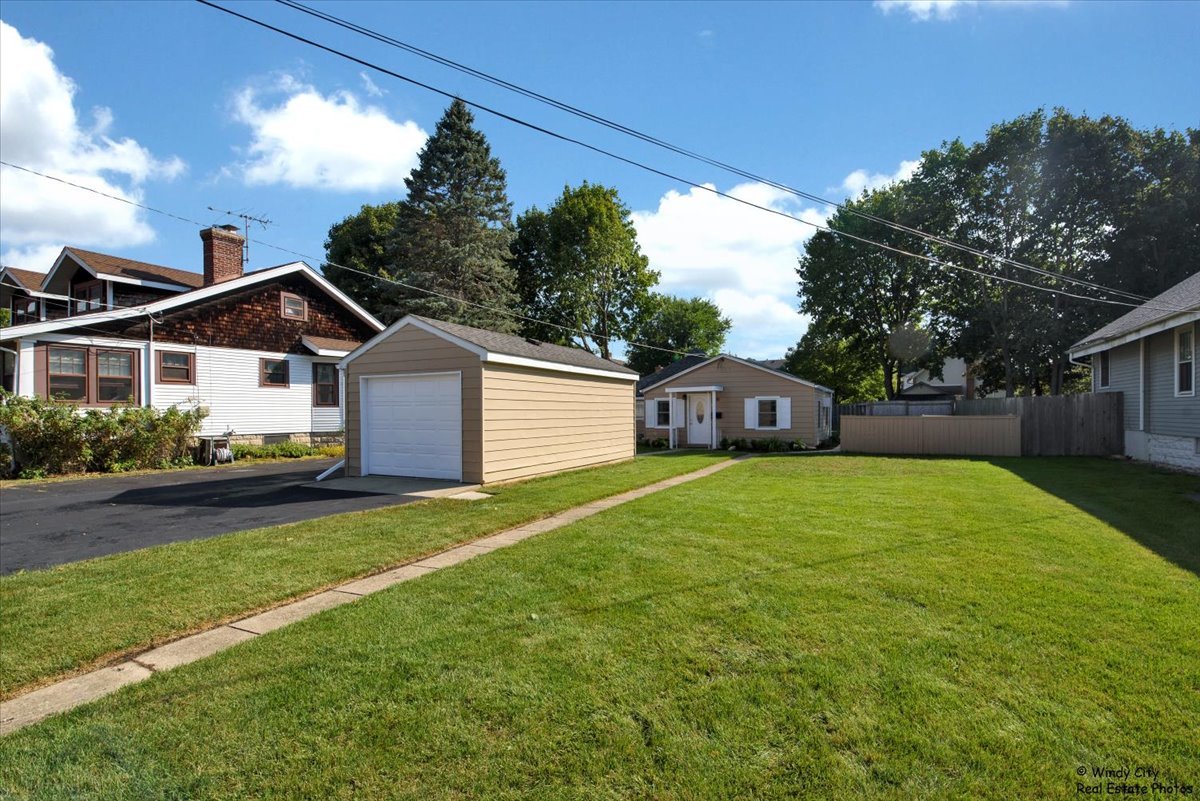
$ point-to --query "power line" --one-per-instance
(616, 126)
(654, 170)
(325, 262)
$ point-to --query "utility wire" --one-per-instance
(325, 263)
(616, 126)
(601, 151)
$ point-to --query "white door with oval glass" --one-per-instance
(699, 420)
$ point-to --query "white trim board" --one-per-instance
(1079, 350)
(484, 354)
(713, 388)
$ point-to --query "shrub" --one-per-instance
(276, 450)
(53, 437)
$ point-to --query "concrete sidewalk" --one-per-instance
(70, 693)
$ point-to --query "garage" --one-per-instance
(416, 425)
(432, 399)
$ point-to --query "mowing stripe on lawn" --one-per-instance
(62, 696)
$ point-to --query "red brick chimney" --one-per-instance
(222, 254)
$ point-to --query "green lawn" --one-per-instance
(826, 627)
(59, 620)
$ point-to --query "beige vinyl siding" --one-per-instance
(738, 382)
(411, 350)
(538, 421)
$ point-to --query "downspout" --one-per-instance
(1142, 384)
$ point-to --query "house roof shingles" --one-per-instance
(513, 345)
(1184, 296)
(29, 279)
(140, 270)
(677, 366)
(329, 343)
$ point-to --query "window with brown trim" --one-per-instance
(273, 373)
(114, 376)
(88, 296)
(67, 374)
(325, 384)
(176, 367)
(293, 307)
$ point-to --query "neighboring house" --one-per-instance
(258, 350)
(697, 401)
(1149, 355)
(433, 399)
(956, 382)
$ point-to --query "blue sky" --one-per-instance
(181, 107)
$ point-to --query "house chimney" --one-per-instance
(222, 254)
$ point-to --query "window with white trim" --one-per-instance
(639, 410)
(1185, 361)
(662, 413)
(1104, 369)
(768, 413)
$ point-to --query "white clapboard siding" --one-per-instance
(227, 383)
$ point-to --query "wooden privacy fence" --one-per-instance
(940, 435)
(1092, 424)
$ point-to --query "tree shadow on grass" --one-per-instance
(1159, 509)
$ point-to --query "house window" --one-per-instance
(662, 413)
(114, 376)
(768, 413)
(273, 373)
(293, 307)
(639, 410)
(325, 384)
(175, 367)
(67, 374)
(1104, 374)
(25, 310)
(89, 297)
(1185, 362)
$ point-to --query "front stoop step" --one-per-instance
(65, 695)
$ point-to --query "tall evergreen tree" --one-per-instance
(453, 232)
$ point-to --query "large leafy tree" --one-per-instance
(359, 243)
(873, 299)
(683, 325)
(831, 361)
(453, 231)
(580, 270)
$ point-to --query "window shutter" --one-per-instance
(680, 412)
(751, 413)
(783, 413)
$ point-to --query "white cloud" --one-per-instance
(40, 129)
(924, 10)
(315, 141)
(859, 180)
(741, 258)
(370, 87)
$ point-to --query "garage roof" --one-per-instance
(507, 349)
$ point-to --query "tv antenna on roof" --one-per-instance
(246, 220)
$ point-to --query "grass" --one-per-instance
(70, 617)
(827, 627)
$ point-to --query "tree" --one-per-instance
(831, 361)
(579, 268)
(873, 299)
(453, 232)
(693, 325)
(360, 242)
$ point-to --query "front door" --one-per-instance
(699, 429)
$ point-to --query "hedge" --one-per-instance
(50, 437)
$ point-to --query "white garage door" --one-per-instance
(412, 426)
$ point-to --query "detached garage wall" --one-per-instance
(411, 350)
(538, 421)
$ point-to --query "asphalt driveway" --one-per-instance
(53, 523)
